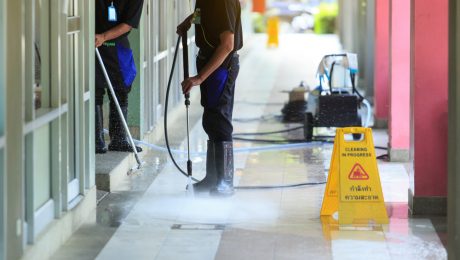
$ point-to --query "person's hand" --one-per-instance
(100, 39)
(182, 28)
(189, 83)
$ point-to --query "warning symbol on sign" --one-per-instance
(354, 196)
(358, 173)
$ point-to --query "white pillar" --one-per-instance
(14, 128)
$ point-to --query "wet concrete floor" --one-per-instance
(153, 217)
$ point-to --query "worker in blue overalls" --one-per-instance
(114, 21)
(219, 37)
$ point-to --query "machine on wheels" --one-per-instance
(337, 104)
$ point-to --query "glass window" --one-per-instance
(41, 54)
(37, 61)
(42, 166)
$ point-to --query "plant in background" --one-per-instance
(326, 18)
(259, 23)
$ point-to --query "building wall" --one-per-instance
(48, 96)
(400, 65)
(382, 60)
(429, 98)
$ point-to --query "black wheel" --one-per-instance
(308, 127)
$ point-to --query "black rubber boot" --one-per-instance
(210, 180)
(118, 139)
(99, 122)
(224, 169)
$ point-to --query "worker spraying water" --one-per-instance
(219, 37)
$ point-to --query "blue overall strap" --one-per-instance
(215, 85)
(127, 64)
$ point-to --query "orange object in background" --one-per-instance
(258, 6)
(273, 31)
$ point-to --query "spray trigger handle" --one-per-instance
(189, 168)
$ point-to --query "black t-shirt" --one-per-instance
(216, 17)
(128, 11)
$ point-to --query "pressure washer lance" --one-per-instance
(117, 105)
(187, 101)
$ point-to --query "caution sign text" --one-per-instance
(353, 188)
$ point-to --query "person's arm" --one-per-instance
(113, 33)
(223, 50)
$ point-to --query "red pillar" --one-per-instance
(399, 117)
(382, 61)
(429, 90)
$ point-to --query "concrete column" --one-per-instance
(2, 128)
(399, 126)
(14, 129)
(370, 45)
(429, 90)
(356, 30)
(348, 22)
(382, 63)
(453, 217)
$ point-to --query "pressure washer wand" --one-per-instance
(117, 105)
(187, 99)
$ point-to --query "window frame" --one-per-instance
(68, 116)
(2, 128)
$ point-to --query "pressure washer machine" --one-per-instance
(338, 103)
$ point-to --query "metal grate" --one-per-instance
(198, 227)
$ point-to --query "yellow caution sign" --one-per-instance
(273, 31)
(353, 188)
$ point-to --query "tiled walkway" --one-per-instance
(169, 223)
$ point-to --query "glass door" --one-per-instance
(39, 113)
(75, 98)
(75, 101)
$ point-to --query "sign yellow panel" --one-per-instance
(353, 188)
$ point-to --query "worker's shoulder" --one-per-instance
(232, 3)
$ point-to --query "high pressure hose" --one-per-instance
(271, 132)
(188, 173)
(277, 147)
